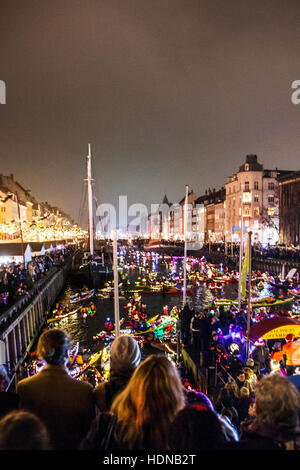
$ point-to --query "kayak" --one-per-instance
(255, 303)
(83, 297)
(295, 293)
(81, 294)
(61, 317)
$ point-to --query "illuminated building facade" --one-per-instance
(20, 214)
(257, 190)
(289, 209)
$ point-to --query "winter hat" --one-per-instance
(125, 353)
(289, 337)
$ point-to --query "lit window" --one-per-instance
(246, 223)
(256, 210)
(271, 211)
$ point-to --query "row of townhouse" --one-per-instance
(19, 208)
(252, 198)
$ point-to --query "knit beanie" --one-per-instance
(125, 354)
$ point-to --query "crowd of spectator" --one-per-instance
(273, 252)
(16, 280)
(145, 405)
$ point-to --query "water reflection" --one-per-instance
(134, 268)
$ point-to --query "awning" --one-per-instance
(274, 328)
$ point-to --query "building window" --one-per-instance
(247, 167)
(271, 211)
(271, 186)
(256, 210)
(255, 184)
(247, 210)
(271, 199)
(246, 223)
(256, 199)
(246, 189)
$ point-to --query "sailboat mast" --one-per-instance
(185, 242)
(90, 200)
(241, 249)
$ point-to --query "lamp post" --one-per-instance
(116, 284)
(21, 230)
(249, 294)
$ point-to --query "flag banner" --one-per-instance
(244, 271)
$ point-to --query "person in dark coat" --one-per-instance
(65, 405)
(185, 317)
(125, 356)
(197, 334)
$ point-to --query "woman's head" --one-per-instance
(277, 402)
(149, 403)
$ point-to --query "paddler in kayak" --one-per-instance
(108, 326)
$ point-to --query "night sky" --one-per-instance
(168, 93)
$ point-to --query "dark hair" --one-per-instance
(53, 346)
(239, 372)
(196, 429)
(21, 430)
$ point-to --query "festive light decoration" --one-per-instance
(35, 231)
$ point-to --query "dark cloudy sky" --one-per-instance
(168, 93)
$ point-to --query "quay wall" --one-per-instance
(21, 324)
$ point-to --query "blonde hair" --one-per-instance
(148, 405)
(244, 392)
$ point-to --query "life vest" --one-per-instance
(292, 352)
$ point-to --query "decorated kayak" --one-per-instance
(61, 317)
(83, 297)
(81, 294)
(294, 292)
(264, 302)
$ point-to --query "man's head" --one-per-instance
(53, 346)
(240, 375)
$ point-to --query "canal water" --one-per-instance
(134, 268)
